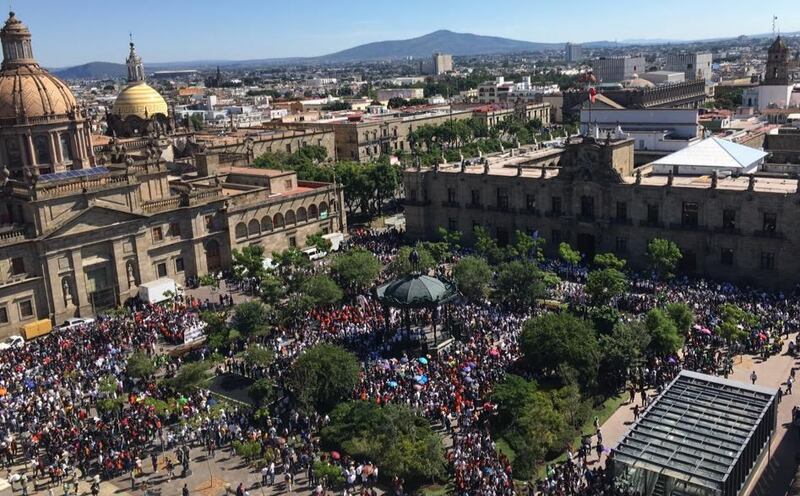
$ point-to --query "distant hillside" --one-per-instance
(93, 70)
(438, 41)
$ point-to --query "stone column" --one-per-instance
(55, 158)
(121, 271)
(144, 267)
(31, 150)
(81, 295)
(199, 258)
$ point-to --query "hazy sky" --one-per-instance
(69, 32)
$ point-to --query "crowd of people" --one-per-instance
(67, 404)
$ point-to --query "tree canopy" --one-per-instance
(400, 442)
(555, 342)
(322, 376)
(664, 256)
(519, 284)
(355, 270)
(473, 276)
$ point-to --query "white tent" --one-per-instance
(712, 154)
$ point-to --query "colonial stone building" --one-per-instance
(366, 137)
(75, 239)
(736, 228)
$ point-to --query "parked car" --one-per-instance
(13, 341)
(75, 322)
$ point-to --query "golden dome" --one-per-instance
(141, 100)
(27, 90)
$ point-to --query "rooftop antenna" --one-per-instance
(774, 26)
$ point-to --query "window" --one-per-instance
(161, 269)
(451, 195)
(66, 149)
(26, 309)
(475, 225)
(158, 234)
(652, 213)
(3, 315)
(767, 260)
(555, 236)
(689, 214)
(502, 198)
(622, 211)
(288, 148)
(770, 222)
(17, 266)
(179, 264)
(287, 184)
(621, 245)
(175, 229)
(476, 197)
(41, 146)
(292, 241)
(452, 224)
(587, 207)
(729, 219)
(555, 205)
(209, 221)
(726, 256)
(530, 202)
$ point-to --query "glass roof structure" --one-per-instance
(701, 430)
(73, 174)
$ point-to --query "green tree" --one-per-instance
(261, 392)
(664, 336)
(519, 284)
(249, 261)
(620, 350)
(271, 288)
(568, 255)
(552, 341)
(293, 267)
(318, 241)
(473, 276)
(605, 285)
(140, 365)
(258, 356)
(400, 442)
(321, 291)
(528, 420)
(402, 264)
(322, 376)
(681, 315)
(251, 318)
(735, 323)
(249, 450)
(664, 256)
(189, 377)
(355, 270)
(487, 247)
(609, 261)
(452, 238)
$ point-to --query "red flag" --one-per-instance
(592, 94)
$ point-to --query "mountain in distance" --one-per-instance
(439, 41)
(93, 70)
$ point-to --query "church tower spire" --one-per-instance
(135, 66)
(777, 73)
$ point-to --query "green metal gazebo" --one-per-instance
(417, 291)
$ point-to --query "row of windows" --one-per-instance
(279, 220)
(161, 267)
(690, 211)
(24, 307)
(17, 155)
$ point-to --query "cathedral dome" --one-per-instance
(27, 90)
(141, 100)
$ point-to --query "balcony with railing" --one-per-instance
(12, 233)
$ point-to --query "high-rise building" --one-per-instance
(616, 69)
(442, 62)
(694, 66)
(573, 53)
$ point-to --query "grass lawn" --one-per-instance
(434, 490)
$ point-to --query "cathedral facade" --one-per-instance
(77, 237)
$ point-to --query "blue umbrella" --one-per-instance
(422, 360)
(212, 402)
(392, 384)
(421, 379)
